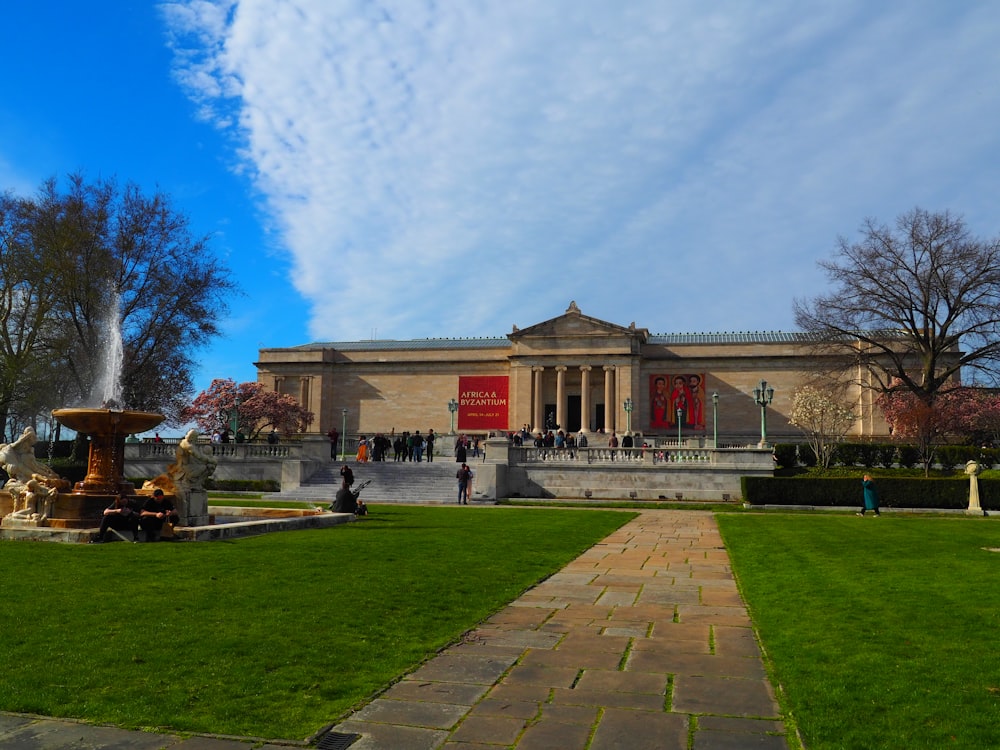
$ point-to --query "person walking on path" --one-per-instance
(870, 496)
(334, 441)
(464, 476)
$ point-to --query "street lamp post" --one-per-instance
(628, 405)
(715, 420)
(453, 407)
(343, 434)
(680, 416)
(762, 396)
(234, 416)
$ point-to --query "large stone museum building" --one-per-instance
(573, 372)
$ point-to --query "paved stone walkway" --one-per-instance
(641, 642)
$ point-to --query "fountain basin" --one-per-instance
(107, 421)
(107, 429)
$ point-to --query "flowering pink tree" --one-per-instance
(979, 416)
(928, 420)
(823, 419)
(254, 407)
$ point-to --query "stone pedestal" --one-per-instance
(71, 510)
(195, 508)
(972, 469)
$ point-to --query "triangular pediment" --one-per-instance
(574, 324)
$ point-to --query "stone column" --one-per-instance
(561, 397)
(278, 380)
(585, 398)
(609, 398)
(304, 391)
(537, 403)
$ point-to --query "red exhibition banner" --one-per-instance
(482, 402)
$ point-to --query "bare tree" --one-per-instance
(912, 305)
(96, 247)
(28, 329)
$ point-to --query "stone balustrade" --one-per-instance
(230, 451)
(646, 456)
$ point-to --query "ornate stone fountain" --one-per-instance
(107, 429)
(38, 496)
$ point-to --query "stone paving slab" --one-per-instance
(19, 732)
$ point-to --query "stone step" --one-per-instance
(391, 481)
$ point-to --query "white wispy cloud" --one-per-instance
(448, 169)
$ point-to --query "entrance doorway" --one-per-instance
(573, 406)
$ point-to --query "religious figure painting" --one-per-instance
(670, 394)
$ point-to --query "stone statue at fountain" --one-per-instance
(193, 465)
(32, 485)
(185, 479)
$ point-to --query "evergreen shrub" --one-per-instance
(885, 455)
(908, 456)
(950, 456)
(785, 453)
(989, 457)
(847, 454)
(950, 493)
(243, 485)
(868, 454)
(807, 456)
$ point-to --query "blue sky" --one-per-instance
(416, 169)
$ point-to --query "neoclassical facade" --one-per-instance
(573, 372)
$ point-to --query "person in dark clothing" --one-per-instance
(121, 515)
(464, 476)
(430, 446)
(348, 476)
(870, 496)
(157, 511)
(346, 500)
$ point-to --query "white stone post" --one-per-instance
(972, 469)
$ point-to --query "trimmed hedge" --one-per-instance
(244, 485)
(902, 492)
(884, 455)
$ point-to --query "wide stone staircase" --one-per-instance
(391, 482)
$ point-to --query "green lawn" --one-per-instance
(271, 636)
(882, 631)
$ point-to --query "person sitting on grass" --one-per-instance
(157, 512)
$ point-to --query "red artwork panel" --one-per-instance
(482, 402)
(670, 392)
